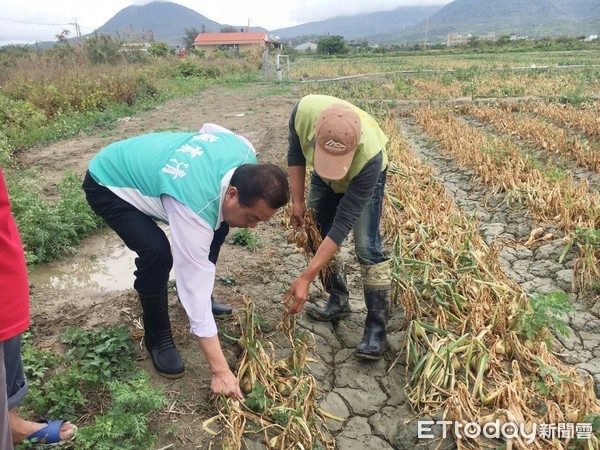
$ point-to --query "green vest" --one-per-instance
(372, 139)
(187, 166)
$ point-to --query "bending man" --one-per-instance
(195, 182)
(346, 147)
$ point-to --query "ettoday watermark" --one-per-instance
(506, 430)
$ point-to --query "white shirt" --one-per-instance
(191, 237)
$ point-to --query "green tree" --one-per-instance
(474, 42)
(363, 46)
(332, 45)
(63, 49)
(159, 49)
(503, 40)
(190, 36)
(102, 48)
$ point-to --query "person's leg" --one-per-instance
(218, 309)
(324, 201)
(16, 382)
(376, 275)
(16, 390)
(367, 238)
(141, 234)
(5, 435)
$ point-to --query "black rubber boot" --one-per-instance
(337, 306)
(158, 337)
(375, 334)
(219, 309)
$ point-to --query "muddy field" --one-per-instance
(93, 288)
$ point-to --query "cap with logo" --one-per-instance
(337, 133)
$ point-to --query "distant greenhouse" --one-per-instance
(306, 46)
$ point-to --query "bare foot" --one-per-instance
(21, 428)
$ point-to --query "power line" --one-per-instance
(76, 24)
(33, 23)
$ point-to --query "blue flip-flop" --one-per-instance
(51, 433)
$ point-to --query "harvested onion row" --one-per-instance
(280, 394)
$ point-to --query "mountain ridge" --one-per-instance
(362, 25)
(533, 18)
(167, 21)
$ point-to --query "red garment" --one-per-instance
(14, 287)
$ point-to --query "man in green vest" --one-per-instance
(196, 183)
(346, 147)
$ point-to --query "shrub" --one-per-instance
(198, 53)
(145, 90)
(50, 228)
(102, 49)
(5, 150)
(17, 119)
(129, 89)
(159, 49)
(189, 68)
(47, 97)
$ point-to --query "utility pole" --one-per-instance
(77, 29)
(426, 32)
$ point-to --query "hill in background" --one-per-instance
(532, 18)
(167, 22)
(363, 25)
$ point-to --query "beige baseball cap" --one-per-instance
(337, 133)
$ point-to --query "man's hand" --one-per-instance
(226, 383)
(297, 214)
(296, 296)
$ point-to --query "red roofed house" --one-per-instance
(239, 42)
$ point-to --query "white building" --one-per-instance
(306, 46)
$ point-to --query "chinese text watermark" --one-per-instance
(506, 430)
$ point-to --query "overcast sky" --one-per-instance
(24, 21)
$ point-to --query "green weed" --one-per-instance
(545, 313)
(227, 281)
(50, 228)
(257, 400)
(6, 150)
(549, 380)
(126, 423)
(575, 98)
(94, 358)
(245, 238)
(98, 368)
(102, 354)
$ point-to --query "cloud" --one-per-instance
(315, 10)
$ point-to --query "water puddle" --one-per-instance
(102, 262)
